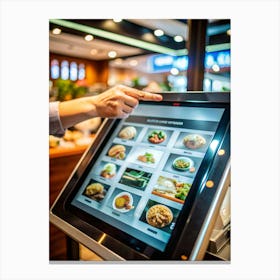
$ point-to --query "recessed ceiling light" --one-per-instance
(56, 31)
(158, 32)
(117, 20)
(216, 68)
(93, 51)
(178, 38)
(133, 62)
(118, 61)
(88, 37)
(112, 54)
(174, 71)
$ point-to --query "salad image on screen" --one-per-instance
(145, 156)
(135, 178)
(182, 165)
(157, 137)
(173, 189)
(109, 170)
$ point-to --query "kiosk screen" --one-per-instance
(141, 179)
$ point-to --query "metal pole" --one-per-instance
(196, 53)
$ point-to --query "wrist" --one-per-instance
(89, 107)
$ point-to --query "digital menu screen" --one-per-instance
(141, 179)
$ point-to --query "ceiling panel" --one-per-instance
(74, 45)
(71, 42)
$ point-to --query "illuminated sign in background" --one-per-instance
(164, 63)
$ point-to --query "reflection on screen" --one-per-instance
(142, 178)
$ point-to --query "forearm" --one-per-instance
(77, 110)
(117, 102)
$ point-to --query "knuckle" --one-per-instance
(118, 94)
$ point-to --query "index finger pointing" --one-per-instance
(142, 95)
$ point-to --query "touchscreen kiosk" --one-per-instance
(133, 193)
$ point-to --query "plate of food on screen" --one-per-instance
(159, 216)
(108, 171)
(123, 202)
(95, 191)
(172, 189)
(194, 141)
(182, 163)
(128, 133)
(157, 136)
(147, 157)
(117, 152)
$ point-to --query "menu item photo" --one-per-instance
(109, 170)
(123, 202)
(145, 157)
(182, 163)
(182, 166)
(194, 141)
(96, 191)
(128, 133)
(172, 189)
(135, 178)
(117, 152)
(157, 136)
(159, 216)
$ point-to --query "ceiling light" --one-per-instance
(158, 32)
(93, 51)
(118, 61)
(89, 37)
(112, 54)
(56, 31)
(174, 71)
(216, 68)
(133, 62)
(178, 38)
(117, 20)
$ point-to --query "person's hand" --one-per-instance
(119, 101)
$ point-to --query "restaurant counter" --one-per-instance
(62, 161)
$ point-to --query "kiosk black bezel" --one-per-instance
(87, 224)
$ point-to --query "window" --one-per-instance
(67, 71)
(82, 71)
(54, 69)
(73, 71)
(64, 70)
